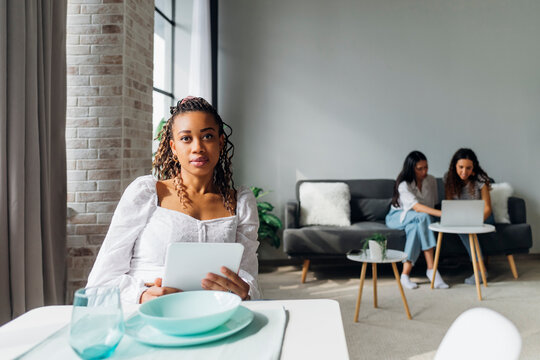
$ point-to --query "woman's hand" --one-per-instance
(155, 290)
(426, 209)
(231, 282)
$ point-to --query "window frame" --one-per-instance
(172, 22)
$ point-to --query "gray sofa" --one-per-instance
(370, 202)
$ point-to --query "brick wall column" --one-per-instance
(109, 118)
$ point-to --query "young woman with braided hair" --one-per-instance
(192, 198)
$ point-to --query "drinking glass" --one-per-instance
(97, 323)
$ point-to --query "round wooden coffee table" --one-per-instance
(392, 256)
(472, 231)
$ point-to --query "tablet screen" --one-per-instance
(186, 264)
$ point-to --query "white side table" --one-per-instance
(475, 248)
(392, 256)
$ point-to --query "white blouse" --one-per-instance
(410, 195)
(134, 249)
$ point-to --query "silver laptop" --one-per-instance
(462, 213)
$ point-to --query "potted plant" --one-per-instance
(377, 246)
(269, 224)
(157, 136)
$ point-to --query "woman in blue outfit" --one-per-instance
(415, 195)
(466, 180)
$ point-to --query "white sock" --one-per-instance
(407, 283)
(439, 282)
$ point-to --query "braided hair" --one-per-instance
(166, 165)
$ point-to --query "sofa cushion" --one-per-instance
(325, 204)
(499, 195)
(369, 209)
(515, 238)
(516, 210)
(367, 188)
(333, 240)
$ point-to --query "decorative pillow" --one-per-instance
(325, 204)
(499, 202)
(369, 209)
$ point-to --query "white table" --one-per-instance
(473, 243)
(314, 329)
(392, 256)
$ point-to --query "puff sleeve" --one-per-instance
(246, 234)
(114, 259)
(407, 199)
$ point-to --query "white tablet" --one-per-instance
(187, 263)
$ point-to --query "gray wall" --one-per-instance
(345, 89)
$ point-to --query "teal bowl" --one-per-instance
(189, 312)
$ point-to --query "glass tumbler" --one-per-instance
(97, 322)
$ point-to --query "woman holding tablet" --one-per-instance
(415, 195)
(191, 199)
(466, 180)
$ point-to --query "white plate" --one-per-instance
(146, 334)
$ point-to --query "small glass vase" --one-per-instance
(97, 322)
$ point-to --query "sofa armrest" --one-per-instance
(291, 215)
(516, 210)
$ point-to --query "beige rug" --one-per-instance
(386, 333)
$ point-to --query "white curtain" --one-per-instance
(200, 72)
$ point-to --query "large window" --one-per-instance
(164, 34)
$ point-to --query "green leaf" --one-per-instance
(272, 220)
(265, 206)
(265, 235)
(269, 224)
(269, 235)
(264, 227)
(263, 194)
(256, 191)
(266, 232)
(380, 239)
(275, 241)
(377, 237)
(159, 127)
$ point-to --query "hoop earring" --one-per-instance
(175, 158)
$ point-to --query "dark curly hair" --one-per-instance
(166, 165)
(453, 185)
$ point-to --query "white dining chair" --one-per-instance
(480, 333)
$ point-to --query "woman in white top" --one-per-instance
(193, 199)
(415, 195)
(466, 180)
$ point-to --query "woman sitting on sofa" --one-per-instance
(415, 195)
(466, 180)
